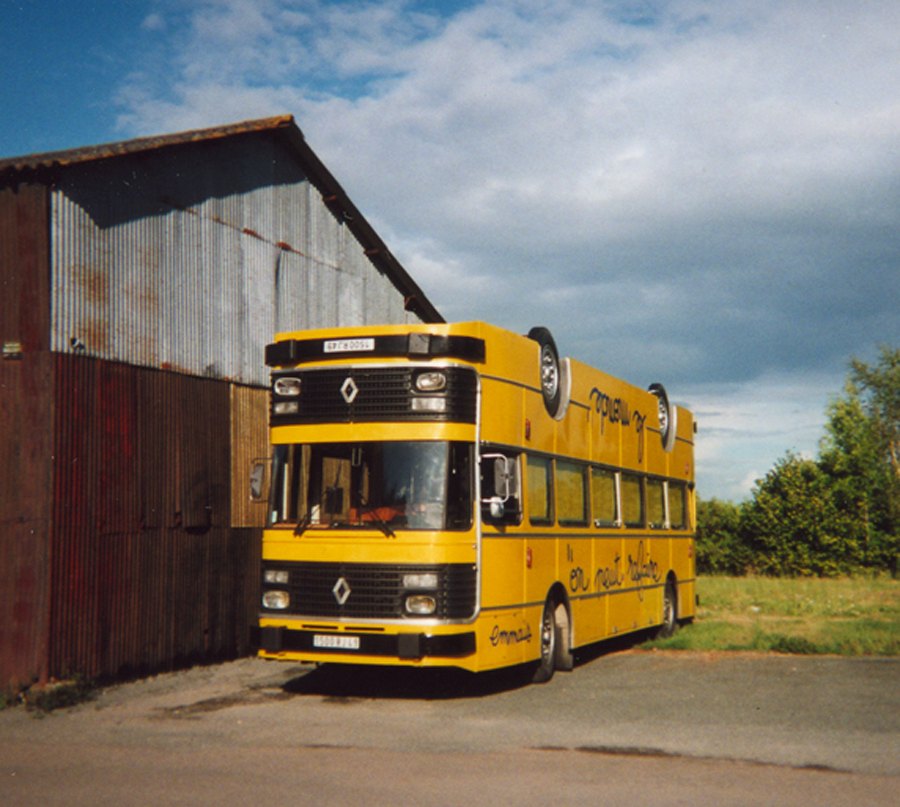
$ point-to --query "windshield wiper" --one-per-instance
(379, 521)
(302, 524)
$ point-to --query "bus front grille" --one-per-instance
(366, 395)
(370, 590)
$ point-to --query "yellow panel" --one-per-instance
(360, 432)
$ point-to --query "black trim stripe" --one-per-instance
(290, 352)
(402, 646)
(609, 536)
(592, 596)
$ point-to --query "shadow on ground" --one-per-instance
(340, 681)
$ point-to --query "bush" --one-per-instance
(719, 547)
(794, 526)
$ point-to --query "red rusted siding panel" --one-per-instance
(25, 266)
(149, 575)
(26, 405)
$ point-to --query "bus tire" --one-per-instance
(564, 660)
(550, 376)
(668, 425)
(669, 611)
(547, 637)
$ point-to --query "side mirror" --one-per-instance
(259, 480)
(503, 481)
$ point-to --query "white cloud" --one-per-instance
(689, 192)
(743, 429)
(154, 22)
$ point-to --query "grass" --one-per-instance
(847, 617)
(42, 700)
(857, 616)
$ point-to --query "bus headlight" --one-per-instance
(421, 604)
(278, 600)
(432, 381)
(420, 580)
(429, 404)
(287, 386)
(285, 408)
(276, 576)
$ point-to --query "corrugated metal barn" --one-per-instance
(140, 283)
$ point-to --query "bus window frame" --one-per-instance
(616, 520)
(582, 469)
(550, 519)
(650, 484)
(684, 524)
(642, 520)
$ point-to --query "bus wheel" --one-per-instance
(668, 425)
(549, 369)
(547, 665)
(669, 612)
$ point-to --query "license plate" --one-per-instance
(349, 345)
(336, 641)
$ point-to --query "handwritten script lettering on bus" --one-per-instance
(577, 581)
(640, 568)
(609, 576)
(509, 637)
(616, 410)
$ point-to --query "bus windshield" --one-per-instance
(382, 486)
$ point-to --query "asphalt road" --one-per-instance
(659, 728)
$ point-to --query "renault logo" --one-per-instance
(349, 390)
(341, 591)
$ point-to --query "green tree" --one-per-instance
(719, 547)
(794, 524)
(861, 455)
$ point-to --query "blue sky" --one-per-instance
(701, 193)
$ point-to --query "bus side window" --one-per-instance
(571, 498)
(605, 510)
(677, 510)
(656, 503)
(540, 490)
(632, 500)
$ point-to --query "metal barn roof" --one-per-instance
(47, 167)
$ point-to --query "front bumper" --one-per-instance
(404, 646)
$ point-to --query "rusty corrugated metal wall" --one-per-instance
(26, 435)
(195, 264)
(148, 570)
(249, 442)
(138, 292)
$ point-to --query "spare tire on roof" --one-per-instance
(668, 417)
(550, 374)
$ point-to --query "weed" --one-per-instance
(58, 695)
(809, 616)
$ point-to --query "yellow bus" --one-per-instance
(459, 495)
